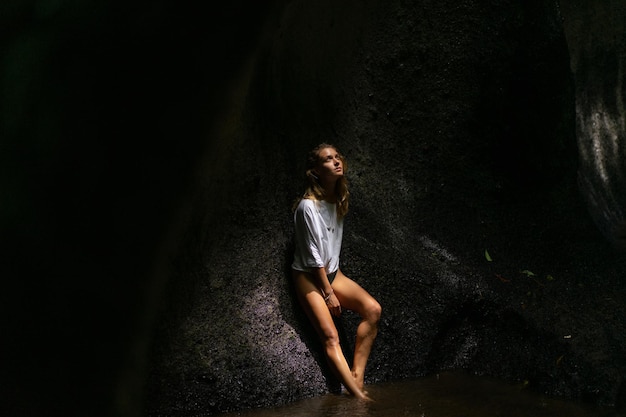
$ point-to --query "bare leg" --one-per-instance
(314, 306)
(353, 297)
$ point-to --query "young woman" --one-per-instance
(322, 289)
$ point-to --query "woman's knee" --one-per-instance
(373, 311)
(330, 338)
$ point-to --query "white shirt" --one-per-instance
(318, 236)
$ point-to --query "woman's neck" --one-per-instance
(329, 192)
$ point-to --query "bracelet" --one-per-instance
(328, 296)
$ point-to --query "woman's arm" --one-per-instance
(321, 279)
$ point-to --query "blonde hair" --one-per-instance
(314, 190)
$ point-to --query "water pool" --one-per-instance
(442, 395)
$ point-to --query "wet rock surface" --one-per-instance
(151, 155)
(596, 41)
(458, 121)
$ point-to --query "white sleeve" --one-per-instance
(308, 238)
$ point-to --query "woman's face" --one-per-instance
(330, 165)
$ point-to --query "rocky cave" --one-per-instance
(151, 153)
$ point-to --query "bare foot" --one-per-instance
(366, 398)
(357, 393)
(359, 380)
(363, 397)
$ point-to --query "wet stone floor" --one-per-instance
(443, 395)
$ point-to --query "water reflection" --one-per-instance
(444, 395)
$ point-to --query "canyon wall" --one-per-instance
(151, 154)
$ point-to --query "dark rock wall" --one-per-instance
(105, 109)
(458, 122)
(151, 152)
(597, 43)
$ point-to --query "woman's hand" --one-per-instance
(333, 305)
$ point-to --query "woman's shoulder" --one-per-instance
(306, 204)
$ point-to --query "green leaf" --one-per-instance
(528, 273)
(550, 278)
(487, 257)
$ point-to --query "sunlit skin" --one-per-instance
(344, 293)
(329, 170)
